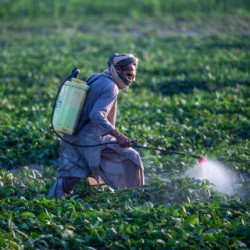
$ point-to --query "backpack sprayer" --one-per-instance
(66, 112)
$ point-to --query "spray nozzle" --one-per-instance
(134, 143)
(202, 160)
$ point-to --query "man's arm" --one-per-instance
(122, 140)
(101, 109)
(99, 114)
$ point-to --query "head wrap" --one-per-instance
(120, 60)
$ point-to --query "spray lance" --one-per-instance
(201, 159)
(66, 110)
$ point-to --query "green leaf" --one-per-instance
(193, 219)
(150, 225)
(101, 233)
(215, 204)
(28, 214)
(42, 216)
(121, 227)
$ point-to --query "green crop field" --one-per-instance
(191, 95)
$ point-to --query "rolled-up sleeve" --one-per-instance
(101, 109)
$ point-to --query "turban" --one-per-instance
(120, 60)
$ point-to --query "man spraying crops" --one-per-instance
(117, 165)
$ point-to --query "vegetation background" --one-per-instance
(191, 95)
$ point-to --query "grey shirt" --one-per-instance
(100, 104)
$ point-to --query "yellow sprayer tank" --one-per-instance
(69, 106)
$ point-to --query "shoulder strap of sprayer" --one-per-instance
(94, 78)
(91, 79)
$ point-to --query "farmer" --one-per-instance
(117, 165)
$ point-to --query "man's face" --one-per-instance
(129, 72)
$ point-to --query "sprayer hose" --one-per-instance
(75, 72)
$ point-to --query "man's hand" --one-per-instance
(122, 140)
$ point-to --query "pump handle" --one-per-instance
(74, 73)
